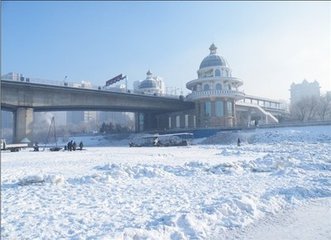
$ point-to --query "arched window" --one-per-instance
(206, 87)
(218, 86)
(217, 73)
(207, 109)
(219, 108)
(177, 121)
(229, 106)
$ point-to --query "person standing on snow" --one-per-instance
(81, 145)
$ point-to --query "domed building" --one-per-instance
(151, 85)
(215, 101)
(215, 92)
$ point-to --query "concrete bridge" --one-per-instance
(23, 98)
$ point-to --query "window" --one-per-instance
(217, 73)
(207, 109)
(178, 121)
(219, 108)
(229, 105)
(206, 87)
(218, 86)
(186, 120)
(169, 123)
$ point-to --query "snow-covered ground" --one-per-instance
(276, 185)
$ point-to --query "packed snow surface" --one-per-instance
(214, 190)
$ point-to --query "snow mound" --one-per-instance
(91, 179)
(271, 163)
(40, 180)
(159, 170)
(299, 193)
(137, 171)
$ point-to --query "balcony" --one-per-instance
(235, 81)
(215, 93)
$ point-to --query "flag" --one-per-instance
(115, 79)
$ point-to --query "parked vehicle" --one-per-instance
(15, 147)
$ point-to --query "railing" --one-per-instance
(54, 82)
(206, 79)
(215, 93)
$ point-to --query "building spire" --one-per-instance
(212, 49)
(149, 74)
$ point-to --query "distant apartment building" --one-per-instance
(79, 117)
(304, 89)
(12, 76)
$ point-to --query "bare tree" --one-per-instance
(324, 108)
(305, 109)
(311, 108)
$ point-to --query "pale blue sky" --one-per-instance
(268, 45)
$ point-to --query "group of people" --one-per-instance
(72, 146)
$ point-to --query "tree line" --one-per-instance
(114, 128)
(311, 108)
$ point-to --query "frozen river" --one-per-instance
(205, 191)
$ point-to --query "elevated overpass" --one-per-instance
(23, 98)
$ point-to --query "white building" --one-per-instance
(153, 85)
(215, 92)
(78, 117)
(13, 76)
(304, 89)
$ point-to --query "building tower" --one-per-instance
(215, 92)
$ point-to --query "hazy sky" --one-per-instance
(268, 45)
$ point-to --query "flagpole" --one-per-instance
(126, 83)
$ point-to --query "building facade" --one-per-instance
(215, 92)
(219, 102)
(304, 89)
(152, 85)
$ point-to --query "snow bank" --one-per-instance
(307, 134)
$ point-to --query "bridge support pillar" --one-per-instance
(139, 121)
(150, 121)
(145, 122)
(23, 124)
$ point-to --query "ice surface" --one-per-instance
(206, 191)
